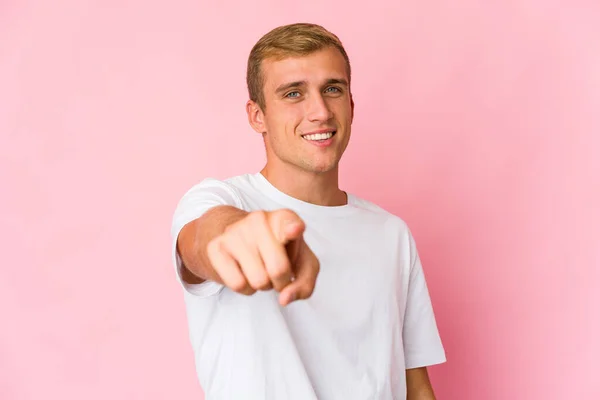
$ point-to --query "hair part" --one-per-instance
(294, 40)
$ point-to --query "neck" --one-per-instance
(312, 187)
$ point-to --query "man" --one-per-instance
(294, 288)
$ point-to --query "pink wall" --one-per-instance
(478, 123)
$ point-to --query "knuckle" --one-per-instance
(257, 217)
(212, 249)
(231, 228)
(287, 213)
(238, 285)
(280, 269)
(248, 291)
(261, 283)
(295, 217)
(231, 232)
(213, 245)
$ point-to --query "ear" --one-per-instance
(256, 117)
(352, 108)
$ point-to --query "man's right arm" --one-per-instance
(248, 251)
(193, 240)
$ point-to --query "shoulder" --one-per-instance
(212, 191)
(231, 185)
(389, 223)
(394, 226)
(377, 210)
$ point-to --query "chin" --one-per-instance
(317, 165)
(321, 169)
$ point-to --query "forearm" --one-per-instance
(194, 238)
(421, 394)
(418, 385)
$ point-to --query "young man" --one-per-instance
(295, 289)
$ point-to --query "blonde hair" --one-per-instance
(298, 39)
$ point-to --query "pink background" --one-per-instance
(478, 123)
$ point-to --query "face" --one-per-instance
(308, 111)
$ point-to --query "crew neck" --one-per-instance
(296, 204)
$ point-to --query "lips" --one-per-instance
(321, 139)
(320, 135)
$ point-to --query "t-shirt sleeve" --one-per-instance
(195, 202)
(422, 342)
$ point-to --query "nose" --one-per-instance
(318, 109)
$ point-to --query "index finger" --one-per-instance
(306, 271)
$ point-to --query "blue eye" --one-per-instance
(335, 89)
(291, 93)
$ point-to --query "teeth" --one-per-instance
(319, 136)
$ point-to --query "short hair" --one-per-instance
(297, 39)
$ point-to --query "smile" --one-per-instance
(319, 136)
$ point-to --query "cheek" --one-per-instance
(291, 113)
(288, 119)
(344, 111)
(282, 122)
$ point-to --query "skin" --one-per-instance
(265, 250)
(418, 385)
(323, 100)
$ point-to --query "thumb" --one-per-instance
(286, 225)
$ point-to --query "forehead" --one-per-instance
(315, 67)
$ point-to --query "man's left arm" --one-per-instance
(418, 385)
(421, 339)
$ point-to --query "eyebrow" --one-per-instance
(334, 81)
(286, 86)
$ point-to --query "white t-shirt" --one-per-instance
(369, 319)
